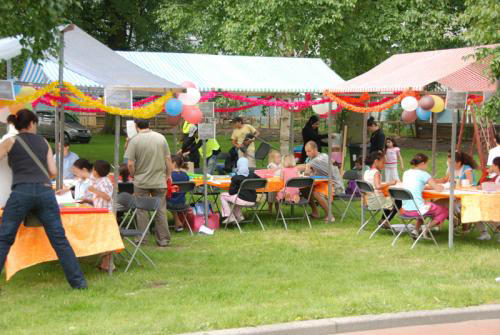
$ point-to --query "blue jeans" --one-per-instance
(39, 199)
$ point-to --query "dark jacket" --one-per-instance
(189, 144)
(377, 141)
(311, 134)
(247, 195)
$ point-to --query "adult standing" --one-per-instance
(310, 133)
(377, 138)
(33, 164)
(69, 159)
(189, 146)
(243, 138)
(150, 165)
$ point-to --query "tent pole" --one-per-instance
(363, 157)
(59, 120)
(175, 138)
(330, 191)
(434, 140)
(9, 68)
(292, 137)
(205, 191)
(115, 175)
(452, 177)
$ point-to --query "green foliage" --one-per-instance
(36, 21)
(351, 35)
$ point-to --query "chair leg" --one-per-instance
(307, 216)
(187, 223)
(347, 208)
(283, 218)
(261, 224)
(366, 223)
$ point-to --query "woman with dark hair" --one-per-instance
(377, 138)
(464, 168)
(310, 133)
(32, 163)
(416, 180)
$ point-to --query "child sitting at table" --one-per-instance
(82, 170)
(275, 166)
(101, 197)
(246, 197)
(464, 169)
(416, 180)
(377, 200)
(178, 199)
(288, 172)
(483, 229)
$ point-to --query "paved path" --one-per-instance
(479, 327)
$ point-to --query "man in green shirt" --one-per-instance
(149, 164)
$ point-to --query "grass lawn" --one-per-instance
(254, 278)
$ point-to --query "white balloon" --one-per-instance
(409, 104)
(321, 109)
(191, 97)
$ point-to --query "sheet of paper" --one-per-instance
(65, 198)
(131, 131)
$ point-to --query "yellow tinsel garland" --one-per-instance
(81, 99)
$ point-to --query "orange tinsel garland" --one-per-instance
(378, 108)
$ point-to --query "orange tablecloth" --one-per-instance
(88, 234)
(274, 184)
(477, 206)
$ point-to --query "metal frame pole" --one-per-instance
(59, 119)
(363, 157)
(452, 177)
(330, 174)
(292, 137)
(115, 176)
(9, 68)
(434, 142)
(175, 138)
(205, 191)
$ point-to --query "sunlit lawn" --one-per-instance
(233, 280)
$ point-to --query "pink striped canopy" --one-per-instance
(456, 69)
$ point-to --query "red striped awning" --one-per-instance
(453, 68)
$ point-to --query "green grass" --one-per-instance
(235, 280)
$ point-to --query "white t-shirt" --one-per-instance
(494, 153)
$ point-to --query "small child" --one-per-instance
(178, 199)
(377, 200)
(82, 170)
(102, 193)
(275, 166)
(483, 229)
(288, 172)
(392, 154)
(101, 189)
(336, 155)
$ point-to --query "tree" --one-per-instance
(36, 21)
(483, 27)
(351, 35)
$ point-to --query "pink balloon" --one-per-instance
(187, 84)
(191, 114)
(409, 116)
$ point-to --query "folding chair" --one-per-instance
(184, 187)
(125, 204)
(403, 194)
(348, 199)
(141, 203)
(262, 151)
(365, 188)
(254, 185)
(300, 183)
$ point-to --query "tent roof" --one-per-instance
(453, 68)
(249, 74)
(9, 48)
(89, 63)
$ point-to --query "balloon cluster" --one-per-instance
(185, 106)
(19, 91)
(421, 109)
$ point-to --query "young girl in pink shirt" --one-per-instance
(392, 155)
